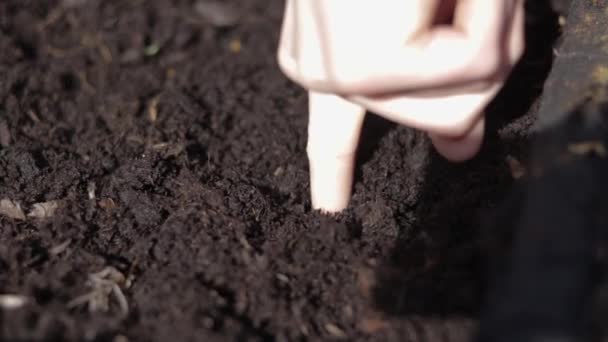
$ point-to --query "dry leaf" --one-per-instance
(11, 209)
(44, 209)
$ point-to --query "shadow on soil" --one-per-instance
(437, 266)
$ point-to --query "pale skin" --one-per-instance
(433, 65)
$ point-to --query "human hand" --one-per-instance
(429, 64)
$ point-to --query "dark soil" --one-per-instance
(177, 157)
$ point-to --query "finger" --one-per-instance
(286, 53)
(486, 22)
(475, 51)
(448, 115)
(309, 41)
(517, 37)
(460, 149)
(333, 135)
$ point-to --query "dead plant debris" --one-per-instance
(334, 330)
(587, 148)
(517, 169)
(372, 325)
(217, 13)
(11, 209)
(153, 109)
(12, 301)
(104, 284)
(44, 210)
(60, 248)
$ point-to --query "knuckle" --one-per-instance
(458, 127)
(280, 59)
(490, 67)
(345, 78)
(286, 64)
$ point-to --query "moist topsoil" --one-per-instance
(157, 141)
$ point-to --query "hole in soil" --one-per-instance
(39, 159)
(374, 129)
(69, 82)
(196, 152)
(28, 48)
(18, 87)
(43, 295)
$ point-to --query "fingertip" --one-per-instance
(331, 182)
(333, 133)
(460, 149)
